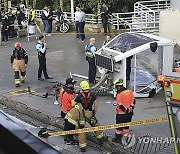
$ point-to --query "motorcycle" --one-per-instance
(62, 23)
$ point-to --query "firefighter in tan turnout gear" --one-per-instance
(19, 60)
(85, 110)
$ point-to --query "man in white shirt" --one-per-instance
(77, 13)
(81, 25)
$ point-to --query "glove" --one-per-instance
(129, 110)
(93, 120)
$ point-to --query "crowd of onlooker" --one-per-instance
(8, 17)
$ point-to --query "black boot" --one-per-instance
(118, 138)
(103, 139)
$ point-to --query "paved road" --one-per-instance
(65, 55)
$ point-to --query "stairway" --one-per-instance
(145, 17)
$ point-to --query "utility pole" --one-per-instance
(72, 10)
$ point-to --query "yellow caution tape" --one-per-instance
(112, 126)
(20, 92)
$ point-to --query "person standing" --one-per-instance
(128, 67)
(31, 15)
(66, 97)
(20, 17)
(19, 60)
(125, 103)
(88, 101)
(44, 17)
(104, 17)
(4, 29)
(90, 50)
(81, 25)
(11, 19)
(41, 49)
(77, 14)
(50, 18)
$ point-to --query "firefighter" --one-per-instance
(125, 103)
(90, 50)
(90, 105)
(19, 60)
(31, 15)
(11, 18)
(4, 29)
(66, 97)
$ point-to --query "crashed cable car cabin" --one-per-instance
(112, 58)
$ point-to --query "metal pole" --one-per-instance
(72, 10)
(135, 69)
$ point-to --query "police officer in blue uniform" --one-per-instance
(90, 57)
(41, 49)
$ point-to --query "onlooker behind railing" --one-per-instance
(31, 15)
(50, 18)
(104, 16)
(44, 17)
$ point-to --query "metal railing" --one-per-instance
(90, 18)
(145, 17)
(156, 5)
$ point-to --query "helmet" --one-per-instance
(118, 82)
(17, 44)
(84, 85)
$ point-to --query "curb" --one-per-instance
(55, 121)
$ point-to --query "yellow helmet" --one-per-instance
(118, 82)
(84, 85)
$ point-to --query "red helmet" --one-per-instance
(17, 44)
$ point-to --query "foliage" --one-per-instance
(90, 6)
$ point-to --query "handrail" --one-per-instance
(145, 13)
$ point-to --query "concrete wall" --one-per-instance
(175, 4)
(170, 24)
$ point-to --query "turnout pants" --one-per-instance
(42, 67)
(82, 136)
(92, 70)
(19, 67)
(123, 118)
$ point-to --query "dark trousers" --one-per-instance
(19, 24)
(11, 31)
(69, 126)
(128, 68)
(77, 29)
(81, 30)
(122, 118)
(50, 26)
(42, 67)
(92, 70)
(4, 32)
(105, 24)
